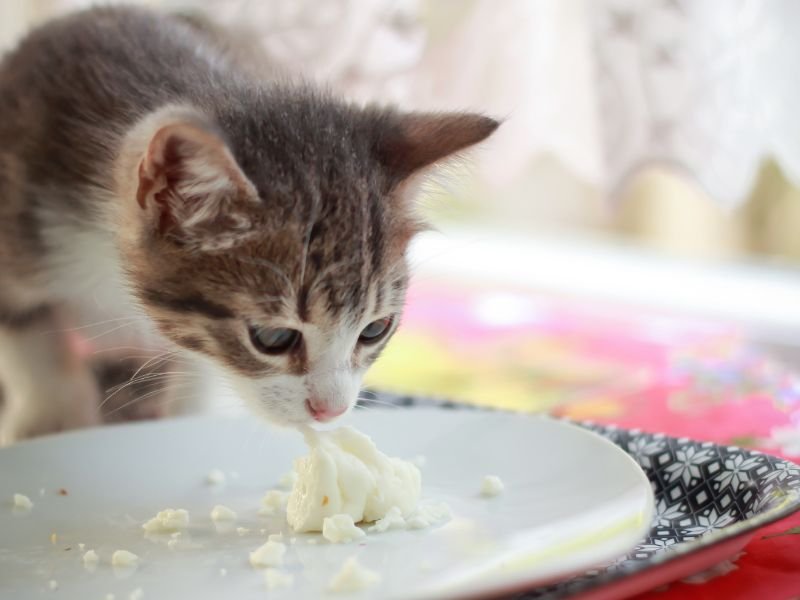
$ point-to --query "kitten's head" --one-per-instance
(273, 242)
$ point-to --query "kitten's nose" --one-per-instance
(322, 411)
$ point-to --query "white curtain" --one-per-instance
(707, 86)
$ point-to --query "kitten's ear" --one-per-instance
(191, 188)
(416, 140)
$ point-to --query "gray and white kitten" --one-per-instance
(146, 160)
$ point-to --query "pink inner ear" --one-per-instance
(192, 180)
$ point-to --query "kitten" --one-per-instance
(148, 168)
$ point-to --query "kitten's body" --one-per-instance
(147, 168)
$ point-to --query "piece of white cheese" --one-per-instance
(393, 520)
(345, 473)
(22, 502)
(215, 477)
(353, 577)
(276, 579)
(268, 555)
(123, 558)
(167, 521)
(287, 481)
(340, 529)
(491, 486)
(90, 558)
(272, 502)
(222, 513)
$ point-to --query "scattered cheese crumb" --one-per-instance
(53, 584)
(90, 559)
(222, 513)
(81, 546)
(167, 521)
(272, 502)
(123, 558)
(242, 530)
(393, 520)
(340, 529)
(54, 538)
(429, 513)
(268, 555)
(276, 579)
(287, 481)
(223, 571)
(491, 486)
(136, 594)
(353, 577)
(22, 502)
(275, 537)
(215, 477)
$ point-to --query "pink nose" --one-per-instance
(320, 411)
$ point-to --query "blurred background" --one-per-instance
(634, 226)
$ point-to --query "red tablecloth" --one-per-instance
(654, 372)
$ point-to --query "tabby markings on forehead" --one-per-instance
(192, 303)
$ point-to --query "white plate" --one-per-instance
(573, 500)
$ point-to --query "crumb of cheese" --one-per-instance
(268, 555)
(53, 584)
(340, 529)
(22, 502)
(222, 513)
(276, 579)
(167, 521)
(215, 477)
(90, 558)
(393, 520)
(272, 502)
(491, 486)
(288, 480)
(123, 558)
(353, 577)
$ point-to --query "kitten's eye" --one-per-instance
(273, 340)
(373, 332)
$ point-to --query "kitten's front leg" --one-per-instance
(46, 385)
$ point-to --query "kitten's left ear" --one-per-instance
(192, 190)
(410, 142)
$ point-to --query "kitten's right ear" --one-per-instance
(191, 189)
(410, 142)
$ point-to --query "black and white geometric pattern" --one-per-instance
(704, 494)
